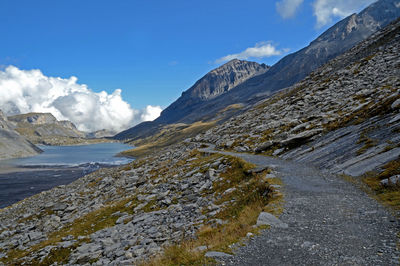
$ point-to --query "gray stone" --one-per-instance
(200, 248)
(266, 218)
(396, 104)
(393, 180)
(217, 255)
(59, 207)
(264, 146)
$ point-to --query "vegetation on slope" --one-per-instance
(169, 135)
(389, 195)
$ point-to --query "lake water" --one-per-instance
(57, 165)
(102, 154)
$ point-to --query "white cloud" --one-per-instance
(23, 91)
(151, 112)
(260, 50)
(288, 8)
(325, 10)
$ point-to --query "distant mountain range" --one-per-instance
(248, 82)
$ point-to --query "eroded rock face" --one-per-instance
(44, 125)
(12, 144)
(329, 118)
(213, 93)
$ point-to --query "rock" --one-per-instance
(258, 170)
(395, 119)
(200, 248)
(33, 236)
(278, 151)
(266, 218)
(217, 254)
(264, 146)
(249, 234)
(393, 180)
(59, 207)
(300, 138)
(229, 144)
(395, 104)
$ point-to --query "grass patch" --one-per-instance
(357, 117)
(368, 143)
(169, 135)
(83, 226)
(388, 195)
(250, 196)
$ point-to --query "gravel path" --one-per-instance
(331, 222)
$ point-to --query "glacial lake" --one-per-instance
(102, 154)
(57, 165)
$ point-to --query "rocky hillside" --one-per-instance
(194, 204)
(44, 128)
(344, 116)
(12, 144)
(192, 107)
(215, 83)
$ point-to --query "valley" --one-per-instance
(297, 163)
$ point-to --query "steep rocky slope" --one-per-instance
(12, 144)
(346, 111)
(44, 128)
(215, 83)
(124, 215)
(203, 101)
(294, 67)
(205, 201)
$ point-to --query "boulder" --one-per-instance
(264, 146)
(301, 138)
(266, 218)
(393, 180)
(217, 254)
(396, 104)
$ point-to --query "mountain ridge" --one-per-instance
(287, 71)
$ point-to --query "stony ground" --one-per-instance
(124, 215)
(362, 84)
(330, 222)
(120, 215)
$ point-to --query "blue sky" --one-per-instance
(154, 50)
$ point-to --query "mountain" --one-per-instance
(182, 203)
(215, 83)
(12, 144)
(343, 117)
(193, 106)
(44, 128)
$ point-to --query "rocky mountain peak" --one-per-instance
(34, 118)
(224, 78)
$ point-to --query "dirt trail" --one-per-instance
(331, 222)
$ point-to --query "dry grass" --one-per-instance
(390, 195)
(368, 143)
(83, 226)
(170, 135)
(252, 195)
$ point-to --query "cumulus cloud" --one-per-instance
(288, 8)
(325, 10)
(23, 91)
(151, 112)
(260, 50)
